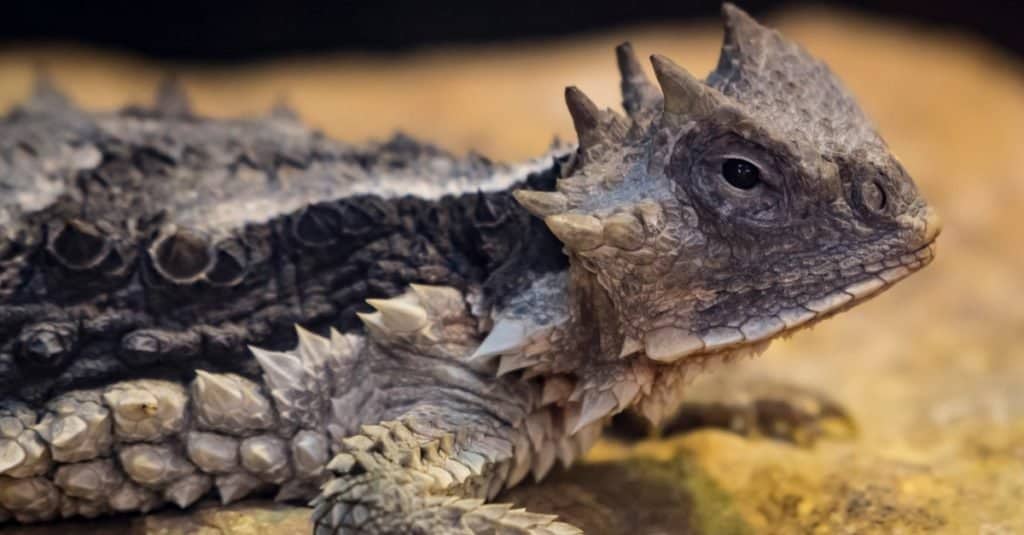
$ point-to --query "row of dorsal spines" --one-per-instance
(170, 99)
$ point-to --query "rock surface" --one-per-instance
(932, 372)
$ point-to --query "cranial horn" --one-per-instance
(639, 96)
(593, 126)
(685, 95)
(739, 27)
(745, 42)
(586, 117)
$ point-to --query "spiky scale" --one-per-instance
(542, 203)
(685, 96)
(507, 335)
(211, 452)
(147, 410)
(586, 117)
(30, 499)
(130, 498)
(76, 430)
(579, 232)
(234, 487)
(230, 403)
(93, 480)
(153, 466)
(596, 406)
(187, 490)
(309, 453)
(266, 457)
(399, 316)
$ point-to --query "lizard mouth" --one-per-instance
(877, 279)
(669, 344)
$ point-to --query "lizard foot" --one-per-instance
(754, 407)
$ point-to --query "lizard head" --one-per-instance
(723, 213)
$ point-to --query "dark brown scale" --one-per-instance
(150, 346)
(319, 225)
(123, 275)
(79, 245)
(230, 264)
(47, 345)
(181, 257)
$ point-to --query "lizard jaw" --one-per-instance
(671, 344)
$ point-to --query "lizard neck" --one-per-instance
(564, 330)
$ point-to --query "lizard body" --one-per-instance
(153, 265)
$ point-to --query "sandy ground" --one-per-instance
(933, 371)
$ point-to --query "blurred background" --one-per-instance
(932, 372)
(451, 72)
(194, 30)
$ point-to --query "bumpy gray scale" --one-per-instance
(145, 249)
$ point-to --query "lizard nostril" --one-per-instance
(932, 224)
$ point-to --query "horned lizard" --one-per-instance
(153, 263)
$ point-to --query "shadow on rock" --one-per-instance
(617, 497)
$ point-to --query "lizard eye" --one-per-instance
(873, 196)
(741, 174)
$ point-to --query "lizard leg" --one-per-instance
(427, 436)
(392, 479)
(751, 406)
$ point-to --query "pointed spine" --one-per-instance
(685, 96)
(593, 126)
(639, 96)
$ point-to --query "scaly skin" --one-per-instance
(717, 217)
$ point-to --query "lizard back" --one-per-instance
(147, 242)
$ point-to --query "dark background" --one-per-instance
(229, 31)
